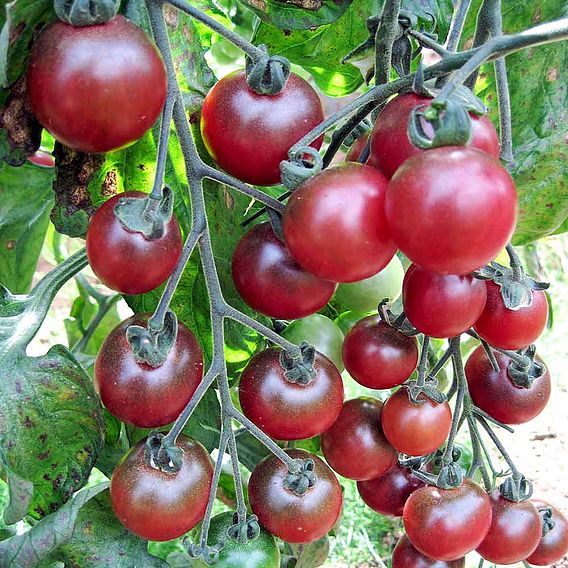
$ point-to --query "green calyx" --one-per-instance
(267, 75)
(81, 13)
(161, 454)
(516, 488)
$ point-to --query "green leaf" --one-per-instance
(312, 554)
(251, 451)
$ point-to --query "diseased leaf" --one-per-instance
(20, 496)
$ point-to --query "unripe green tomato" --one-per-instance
(320, 332)
(365, 295)
(348, 319)
(262, 552)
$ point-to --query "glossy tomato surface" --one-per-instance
(249, 134)
(496, 394)
(161, 506)
(293, 518)
(127, 261)
(406, 556)
(378, 356)
(446, 524)
(451, 209)
(355, 446)
(96, 88)
(357, 148)
(285, 410)
(334, 223)
(553, 546)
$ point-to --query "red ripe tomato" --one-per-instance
(161, 393)
(161, 506)
(390, 145)
(293, 518)
(406, 556)
(442, 305)
(96, 88)
(271, 282)
(285, 410)
(446, 524)
(553, 546)
(357, 148)
(249, 134)
(378, 356)
(43, 159)
(415, 429)
(451, 209)
(511, 329)
(387, 494)
(355, 446)
(514, 533)
(334, 224)
(497, 395)
(127, 261)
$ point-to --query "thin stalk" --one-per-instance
(104, 307)
(498, 445)
(387, 32)
(456, 26)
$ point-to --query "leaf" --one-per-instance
(312, 554)
(21, 493)
(251, 451)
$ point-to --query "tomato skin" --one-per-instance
(42, 159)
(286, 515)
(489, 389)
(378, 356)
(451, 209)
(271, 282)
(161, 392)
(387, 494)
(161, 506)
(511, 329)
(334, 223)
(406, 556)
(127, 261)
(415, 429)
(285, 410)
(553, 546)
(355, 446)
(357, 148)
(446, 524)
(390, 145)
(514, 533)
(442, 305)
(87, 103)
(249, 134)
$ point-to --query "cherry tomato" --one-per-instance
(295, 519)
(161, 506)
(161, 392)
(446, 524)
(378, 356)
(553, 546)
(387, 494)
(511, 329)
(355, 446)
(406, 556)
(43, 159)
(415, 429)
(249, 134)
(390, 145)
(442, 305)
(357, 148)
(514, 533)
(271, 282)
(285, 410)
(347, 320)
(497, 395)
(334, 224)
(96, 88)
(127, 261)
(451, 209)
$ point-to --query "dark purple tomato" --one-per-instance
(378, 356)
(138, 393)
(285, 410)
(355, 446)
(390, 145)
(295, 519)
(553, 546)
(446, 524)
(127, 261)
(271, 282)
(387, 494)
(161, 506)
(451, 209)
(511, 329)
(514, 533)
(96, 88)
(496, 394)
(334, 224)
(442, 305)
(406, 556)
(249, 134)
